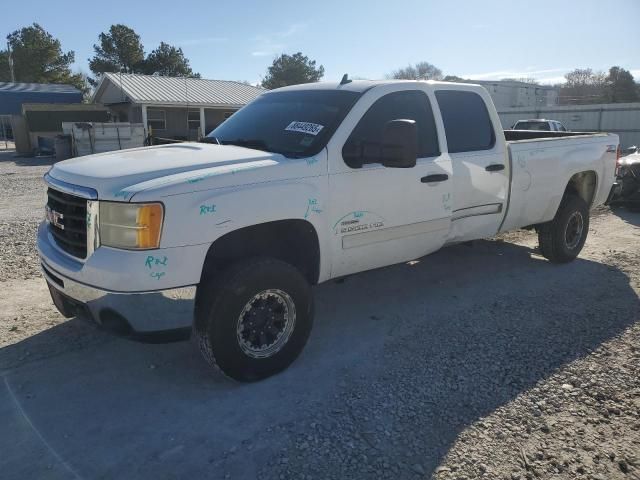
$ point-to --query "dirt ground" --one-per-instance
(480, 361)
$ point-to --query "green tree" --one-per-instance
(419, 71)
(120, 50)
(453, 78)
(85, 85)
(292, 70)
(38, 58)
(5, 71)
(620, 86)
(168, 60)
(583, 86)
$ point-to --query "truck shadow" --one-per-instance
(422, 350)
(632, 217)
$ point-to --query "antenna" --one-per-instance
(345, 79)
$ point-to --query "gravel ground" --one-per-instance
(22, 200)
(578, 421)
(476, 362)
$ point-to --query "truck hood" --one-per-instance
(119, 175)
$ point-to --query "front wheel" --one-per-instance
(562, 239)
(253, 320)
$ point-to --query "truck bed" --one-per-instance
(542, 163)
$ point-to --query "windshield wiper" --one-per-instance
(213, 140)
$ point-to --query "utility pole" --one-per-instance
(13, 77)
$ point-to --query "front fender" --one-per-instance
(204, 216)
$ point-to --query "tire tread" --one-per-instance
(216, 288)
(550, 243)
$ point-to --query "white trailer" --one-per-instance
(91, 137)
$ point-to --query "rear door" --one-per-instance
(381, 215)
(480, 164)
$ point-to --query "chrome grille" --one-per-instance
(67, 215)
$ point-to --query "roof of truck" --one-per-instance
(359, 85)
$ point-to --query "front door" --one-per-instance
(381, 215)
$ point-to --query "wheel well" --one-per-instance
(292, 241)
(582, 184)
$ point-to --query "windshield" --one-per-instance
(295, 124)
(532, 126)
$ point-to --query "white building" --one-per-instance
(620, 118)
(512, 93)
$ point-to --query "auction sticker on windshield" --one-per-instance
(304, 127)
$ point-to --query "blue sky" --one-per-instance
(486, 39)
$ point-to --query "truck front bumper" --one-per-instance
(126, 313)
(124, 290)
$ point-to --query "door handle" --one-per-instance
(436, 177)
(495, 167)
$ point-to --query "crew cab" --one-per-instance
(305, 184)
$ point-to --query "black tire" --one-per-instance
(558, 239)
(218, 327)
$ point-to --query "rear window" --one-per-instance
(467, 124)
(540, 126)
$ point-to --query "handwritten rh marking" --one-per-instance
(312, 206)
(151, 261)
(121, 193)
(206, 209)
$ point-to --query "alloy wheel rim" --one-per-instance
(573, 230)
(266, 323)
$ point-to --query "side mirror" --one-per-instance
(399, 147)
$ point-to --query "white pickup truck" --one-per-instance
(303, 185)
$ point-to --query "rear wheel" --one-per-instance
(253, 320)
(562, 239)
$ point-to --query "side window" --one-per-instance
(561, 127)
(363, 145)
(467, 124)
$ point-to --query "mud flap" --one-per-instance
(616, 190)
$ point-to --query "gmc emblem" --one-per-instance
(54, 218)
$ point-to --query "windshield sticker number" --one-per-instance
(304, 127)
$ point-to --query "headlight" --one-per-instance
(135, 226)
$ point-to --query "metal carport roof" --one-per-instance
(151, 89)
(13, 95)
